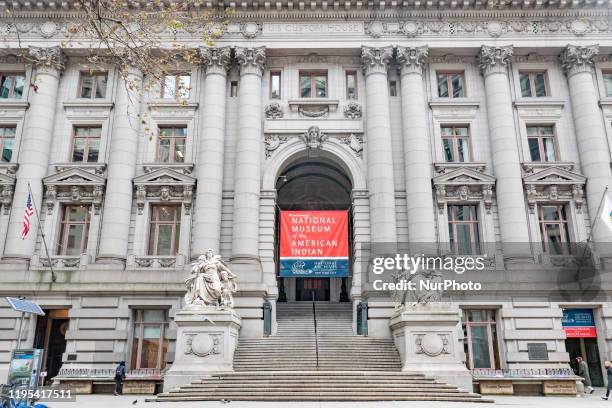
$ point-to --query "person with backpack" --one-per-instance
(119, 378)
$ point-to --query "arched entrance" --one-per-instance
(313, 183)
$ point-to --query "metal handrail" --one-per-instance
(314, 317)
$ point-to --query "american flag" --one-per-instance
(26, 217)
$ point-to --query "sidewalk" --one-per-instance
(109, 401)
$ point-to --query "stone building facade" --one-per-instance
(427, 116)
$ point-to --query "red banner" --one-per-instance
(314, 243)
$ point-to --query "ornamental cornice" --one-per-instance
(412, 59)
(576, 59)
(495, 59)
(216, 59)
(252, 60)
(376, 59)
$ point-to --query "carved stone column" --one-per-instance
(417, 146)
(577, 62)
(375, 62)
(245, 242)
(35, 147)
(209, 170)
(494, 62)
(121, 169)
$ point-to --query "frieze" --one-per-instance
(301, 28)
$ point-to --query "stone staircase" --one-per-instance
(285, 367)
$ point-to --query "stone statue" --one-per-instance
(211, 283)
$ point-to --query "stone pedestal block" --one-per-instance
(427, 337)
(205, 343)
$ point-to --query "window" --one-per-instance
(86, 144)
(313, 84)
(275, 85)
(171, 144)
(481, 342)
(351, 84)
(463, 229)
(176, 86)
(541, 143)
(7, 142)
(149, 345)
(165, 229)
(234, 89)
(392, 88)
(12, 86)
(533, 84)
(93, 86)
(451, 85)
(554, 229)
(607, 79)
(74, 230)
(456, 143)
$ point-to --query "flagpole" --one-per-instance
(42, 234)
(601, 202)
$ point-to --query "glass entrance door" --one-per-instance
(306, 288)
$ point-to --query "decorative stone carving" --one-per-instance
(202, 344)
(211, 283)
(495, 28)
(216, 59)
(46, 58)
(7, 186)
(432, 344)
(313, 111)
(495, 59)
(273, 110)
(375, 59)
(164, 185)
(250, 30)
(251, 60)
(313, 138)
(402, 297)
(412, 59)
(273, 142)
(576, 59)
(375, 29)
(463, 184)
(74, 185)
(411, 28)
(352, 110)
(355, 142)
(551, 183)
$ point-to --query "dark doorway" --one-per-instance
(312, 289)
(314, 183)
(588, 350)
(51, 337)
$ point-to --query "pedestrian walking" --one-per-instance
(583, 371)
(119, 378)
(608, 366)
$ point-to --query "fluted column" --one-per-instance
(35, 147)
(577, 62)
(417, 146)
(375, 62)
(121, 168)
(209, 170)
(245, 242)
(494, 62)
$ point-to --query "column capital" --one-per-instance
(375, 59)
(494, 60)
(46, 58)
(412, 59)
(252, 60)
(216, 60)
(576, 58)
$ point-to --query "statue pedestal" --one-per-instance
(427, 338)
(205, 342)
